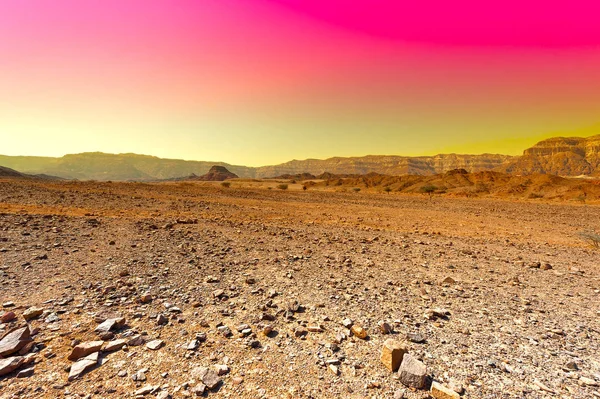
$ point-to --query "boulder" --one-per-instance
(392, 354)
(14, 340)
(412, 372)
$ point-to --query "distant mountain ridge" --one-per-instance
(571, 156)
(564, 156)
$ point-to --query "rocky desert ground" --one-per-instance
(123, 290)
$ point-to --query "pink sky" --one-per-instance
(269, 80)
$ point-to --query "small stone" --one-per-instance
(221, 369)
(449, 280)
(587, 382)
(384, 327)
(110, 324)
(85, 348)
(32, 313)
(334, 369)
(155, 344)
(359, 332)
(82, 365)
(416, 338)
(163, 395)
(300, 332)
(145, 390)
(199, 389)
(27, 372)
(392, 354)
(347, 323)
(115, 345)
(10, 364)
(315, 329)
(14, 341)
(412, 372)
(146, 298)
(211, 379)
(161, 320)
(136, 340)
(7, 317)
(438, 391)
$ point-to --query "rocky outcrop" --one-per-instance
(388, 165)
(563, 156)
(218, 173)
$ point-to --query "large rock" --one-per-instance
(110, 324)
(14, 340)
(412, 372)
(115, 345)
(207, 376)
(84, 349)
(438, 391)
(392, 354)
(32, 313)
(10, 364)
(81, 366)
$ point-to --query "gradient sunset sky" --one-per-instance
(258, 82)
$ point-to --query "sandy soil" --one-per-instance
(521, 288)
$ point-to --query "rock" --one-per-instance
(32, 313)
(51, 318)
(114, 345)
(10, 364)
(82, 365)
(7, 317)
(438, 391)
(412, 372)
(146, 298)
(546, 266)
(359, 332)
(161, 320)
(334, 369)
(433, 314)
(199, 389)
(110, 324)
(416, 338)
(384, 327)
(208, 377)
(27, 372)
(315, 329)
(221, 369)
(155, 344)
(8, 304)
(347, 322)
(587, 382)
(448, 280)
(14, 340)
(211, 380)
(300, 332)
(392, 354)
(136, 340)
(85, 348)
(163, 395)
(145, 390)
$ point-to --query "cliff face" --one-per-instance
(563, 156)
(389, 165)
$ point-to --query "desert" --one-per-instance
(182, 289)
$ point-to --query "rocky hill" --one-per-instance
(460, 183)
(572, 156)
(563, 156)
(389, 165)
(216, 173)
(101, 166)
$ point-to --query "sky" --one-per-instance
(258, 82)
